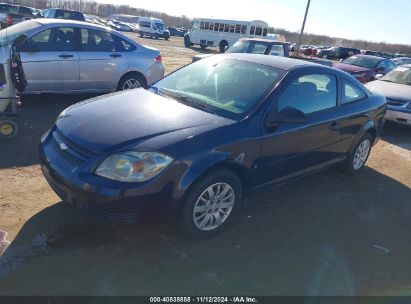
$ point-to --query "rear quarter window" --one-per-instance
(352, 93)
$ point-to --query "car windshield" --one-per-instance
(401, 75)
(160, 26)
(365, 62)
(8, 34)
(255, 47)
(227, 87)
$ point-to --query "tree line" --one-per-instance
(104, 10)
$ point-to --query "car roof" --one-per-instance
(260, 40)
(68, 22)
(406, 66)
(278, 62)
(370, 56)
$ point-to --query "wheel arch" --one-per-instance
(371, 128)
(192, 176)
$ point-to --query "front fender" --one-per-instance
(201, 165)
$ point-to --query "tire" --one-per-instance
(359, 155)
(203, 47)
(127, 81)
(223, 45)
(187, 42)
(8, 129)
(141, 35)
(156, 37)
(189, 222)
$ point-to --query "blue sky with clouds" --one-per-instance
(373, 20)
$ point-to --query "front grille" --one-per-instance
(70, 151)
(396, 102)
(128, 218)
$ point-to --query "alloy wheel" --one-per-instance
(361, 155)
(131, 84)
(213, 206)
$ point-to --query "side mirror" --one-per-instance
(379, 76)
(341, 60)
(287, 115)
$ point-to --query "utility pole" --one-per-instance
(302, 28)
(80, 6)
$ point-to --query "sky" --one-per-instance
(372, 20)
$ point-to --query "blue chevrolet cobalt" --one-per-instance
(196, 142)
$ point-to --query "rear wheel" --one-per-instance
(203, 47)
(359, 155)
(223, 46)
(141, 35)
(131, 81)
(211, 204)
(8, 129)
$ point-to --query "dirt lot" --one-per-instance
(328, 234)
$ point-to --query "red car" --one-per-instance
(365, 67)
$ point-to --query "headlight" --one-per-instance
(359, 75)
(133, 166)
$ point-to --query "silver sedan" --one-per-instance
(65, 56)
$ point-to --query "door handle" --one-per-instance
(65, 56)
(335, 126)
(115, 55)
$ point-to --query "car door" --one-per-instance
(50, 61)
(101, 61)
(292, 149)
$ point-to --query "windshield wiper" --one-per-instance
(183, 99)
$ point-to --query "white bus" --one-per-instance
(125, 18)
(223, 33)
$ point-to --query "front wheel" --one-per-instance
(187, 42)
(8, 129)
(141, 35)
(359, 155)
(211, 204)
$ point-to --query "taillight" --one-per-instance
(9, 20)
(158, 59)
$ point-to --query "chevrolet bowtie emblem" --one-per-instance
(63, 147)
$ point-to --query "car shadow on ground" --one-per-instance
(329, 234)
(204, 51)
(38, 113)
(398, 135)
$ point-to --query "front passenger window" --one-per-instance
(310, 93)
(52, 40)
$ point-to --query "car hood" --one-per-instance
(111, 122)
(390, 90)
(350, 68)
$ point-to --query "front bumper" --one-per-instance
(99, 197)
(401, 116)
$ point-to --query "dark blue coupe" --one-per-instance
(199, 140)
